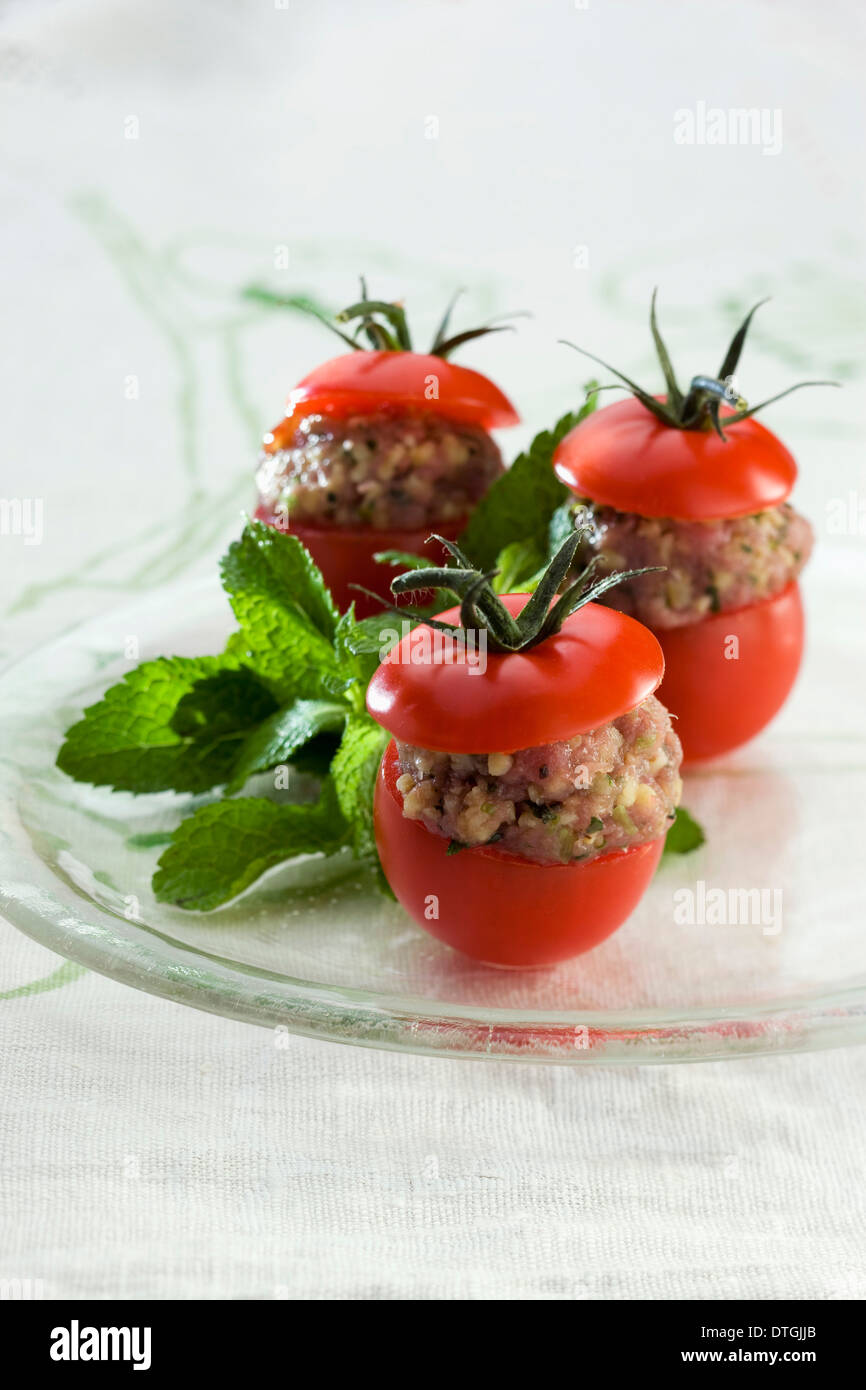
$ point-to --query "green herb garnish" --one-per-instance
(224, 847)
(150, 732)
(685, 833)
(520, 506)
(289, 685)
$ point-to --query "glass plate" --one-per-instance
(312, 949)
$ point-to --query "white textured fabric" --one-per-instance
(150, 1151)
(156, 158)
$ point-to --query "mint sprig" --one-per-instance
(288, 688)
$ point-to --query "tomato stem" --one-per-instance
(383, 322)
(699, 408)
(481, 608)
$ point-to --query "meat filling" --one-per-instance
(390, 470)
(605, 790)
(711, 566)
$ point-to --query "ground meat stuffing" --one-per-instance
(712, 566)
(614, 787)
(395, 470)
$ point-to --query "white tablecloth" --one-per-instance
(156, 158)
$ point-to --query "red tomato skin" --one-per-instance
(499, 908)
(600, 665)
(345, 556)
(623, 457)
(722, 703)
(363, 381)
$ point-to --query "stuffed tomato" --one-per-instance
(692, 489)
(378, 448)
(522, 803)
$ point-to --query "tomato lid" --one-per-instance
(361, 381)
(599, 665)
(627, 458)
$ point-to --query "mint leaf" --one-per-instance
(164, 727)
(519, 564)
(560, 526)
(520, 504)
(359, 647)
(684, 835)
(286, 615)
(282, 734)
(224, 703)
(315, 757)
(224, 847)
(354, 770)
(276, 565)
(360, 638)
(402, 559)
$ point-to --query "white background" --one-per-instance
(151, 1151)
